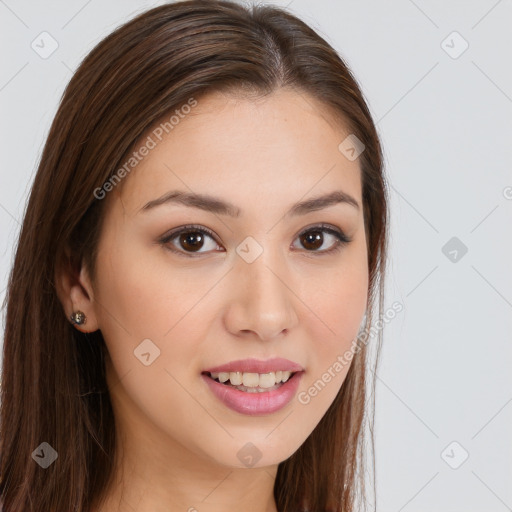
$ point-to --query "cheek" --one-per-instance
(144, 296)
(338, 297)
(338, 301)
(145, 314)
(335, 330)
(151, 323)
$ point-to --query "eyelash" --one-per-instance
(342, 239)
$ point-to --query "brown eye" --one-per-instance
(313, 239)
(190, 240)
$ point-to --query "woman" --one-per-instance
(202, 254)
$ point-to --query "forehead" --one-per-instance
(272, 148)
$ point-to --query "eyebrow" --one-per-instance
(216, 205)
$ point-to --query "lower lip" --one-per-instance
(254, 404)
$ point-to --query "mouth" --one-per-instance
(253, 394)
(250, 382)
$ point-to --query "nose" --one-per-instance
(262, 300)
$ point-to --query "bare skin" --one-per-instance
(179, 443)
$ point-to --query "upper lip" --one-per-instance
(257, 366)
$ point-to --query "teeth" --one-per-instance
(223, 376)
(236, 378)
(252, 380)
(267, 380)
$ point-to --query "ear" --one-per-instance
(75, 291)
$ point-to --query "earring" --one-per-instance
(78, 318)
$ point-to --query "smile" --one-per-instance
(254, 400)
(252, 382)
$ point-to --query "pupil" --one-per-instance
(311, 238)
(187, 239)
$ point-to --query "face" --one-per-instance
(251, 291)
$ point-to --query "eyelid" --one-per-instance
(323, 226)
(189, 227)
(341, 239)
(167, 237)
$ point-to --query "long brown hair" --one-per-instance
(53, 381)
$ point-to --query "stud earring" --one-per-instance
(78, 318)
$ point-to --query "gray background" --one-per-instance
(445, 120)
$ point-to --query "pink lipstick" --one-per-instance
(254, 387)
